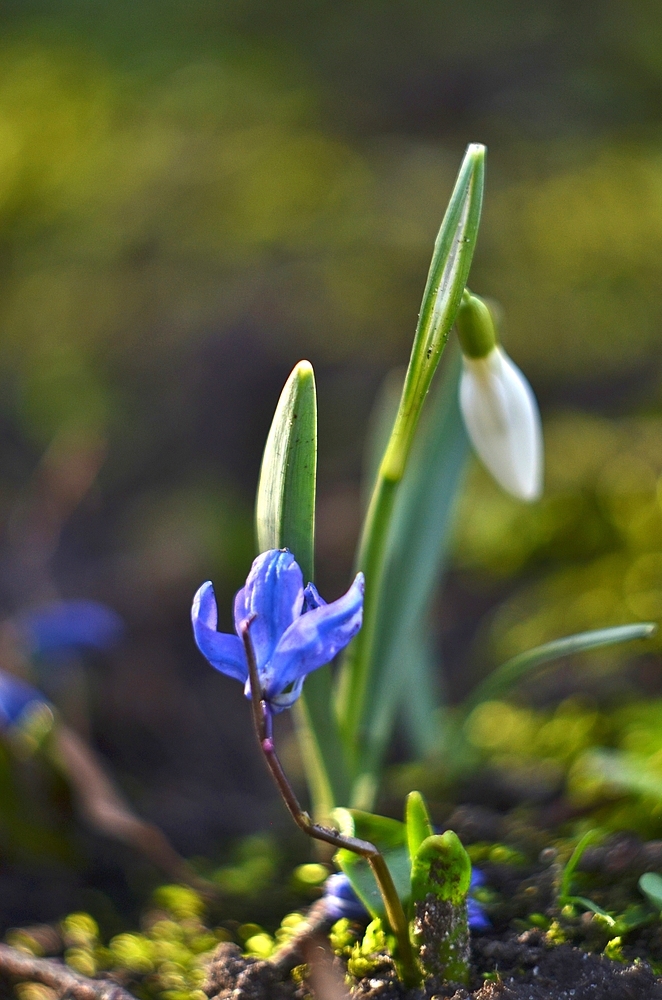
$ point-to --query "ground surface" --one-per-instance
(523, 967)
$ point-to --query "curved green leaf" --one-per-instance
(503, 678)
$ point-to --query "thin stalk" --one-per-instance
(372, 560)
(263, 723)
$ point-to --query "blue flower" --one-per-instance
(292, 629)
(55, 629)
(478, 919)
(340, 900)
(15, 697)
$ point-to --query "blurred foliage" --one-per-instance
(168, 958)
(589, 554)
(553, 751)
(195, 195)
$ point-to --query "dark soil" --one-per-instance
(518, 967)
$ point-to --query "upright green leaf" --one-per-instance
(565, 887)
(417, 821)
(285, 507)
(447, 278)
(285, 518)
(404, 673)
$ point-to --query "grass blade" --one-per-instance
(503, 678)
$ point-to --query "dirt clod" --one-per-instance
(230, 975)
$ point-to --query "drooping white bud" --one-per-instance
(503, 422)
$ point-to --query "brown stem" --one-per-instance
(262, 721)
(292, 952)
(105, 809)
(18, 965)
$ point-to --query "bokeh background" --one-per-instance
(195, 195)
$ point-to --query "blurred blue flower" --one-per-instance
(341, 900)
(15, 697)
(63, 626)
(478, 919)
(292, 629)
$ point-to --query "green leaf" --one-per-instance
(591, 837)
(285, 507)
(417, 821)
(505, 676)
(403, 668)
(285, 518)
(623, 772)
(650, 884)
(441, 867)
(447, 278)
(588, 904)
(389, 836)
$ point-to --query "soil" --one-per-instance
(520, 966)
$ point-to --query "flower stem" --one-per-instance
(263, 723)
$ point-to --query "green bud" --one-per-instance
(475, 327)
(440, 880)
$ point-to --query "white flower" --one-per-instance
(503, 422)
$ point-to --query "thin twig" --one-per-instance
(325, 979)
(316, 923)
(105, 809)
(262, 720)
(18, 965)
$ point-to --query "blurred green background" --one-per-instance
(193, 196)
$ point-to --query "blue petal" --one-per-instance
(315, 638)
(340, 900)
(65, 625)
(15, 696)
(285, 699)
(225, 652)
(311, 598)
(477, 917)
(274, 594)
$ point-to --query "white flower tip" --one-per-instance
(503, 423)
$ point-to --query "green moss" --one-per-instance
(368, 954)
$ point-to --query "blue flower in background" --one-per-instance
(341, 901)
(478, 919)
(61, 627)
(293, 631)
(15, 697)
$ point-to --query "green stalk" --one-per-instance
(449, 270)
